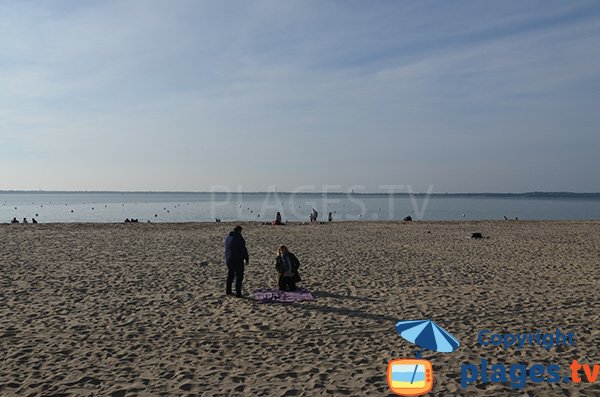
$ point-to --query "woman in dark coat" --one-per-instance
(287, 266)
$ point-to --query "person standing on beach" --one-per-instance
(236, 257)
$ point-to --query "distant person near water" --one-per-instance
(287, 266)
(14, 220)
(314, 215)
(277, 220)
(236, 257)
(330, 217)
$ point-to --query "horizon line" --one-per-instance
(539, 193)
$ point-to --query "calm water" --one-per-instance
(202, 207)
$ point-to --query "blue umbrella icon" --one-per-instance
(427, 335)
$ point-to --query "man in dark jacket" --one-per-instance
(236, 256)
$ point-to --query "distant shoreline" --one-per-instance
(308, 224)
(395, 194)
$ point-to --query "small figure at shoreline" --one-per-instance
(277, 220)
(314, 215)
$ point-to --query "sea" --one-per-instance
(115, 207)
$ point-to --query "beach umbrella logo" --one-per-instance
(414, 377)
(427, 335)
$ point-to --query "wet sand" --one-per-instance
(139, 309)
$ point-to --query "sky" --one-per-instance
(461, 96)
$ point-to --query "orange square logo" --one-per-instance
(410, 377)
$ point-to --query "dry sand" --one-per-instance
(139, 309)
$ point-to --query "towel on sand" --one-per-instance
(266, 295)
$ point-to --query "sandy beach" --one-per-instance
(140, 309)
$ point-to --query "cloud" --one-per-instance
(283, 88)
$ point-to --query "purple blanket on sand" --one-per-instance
(266, 295)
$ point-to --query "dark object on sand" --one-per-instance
(476, 235)
(408, 218)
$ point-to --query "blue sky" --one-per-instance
(494, 96)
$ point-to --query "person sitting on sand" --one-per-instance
(25, 220)
(287, 266)
(277, 220)
(14, 220)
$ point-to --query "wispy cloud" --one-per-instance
(182, 95)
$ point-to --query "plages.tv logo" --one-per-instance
(519, 374)
(410, 377)
(414, 377)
